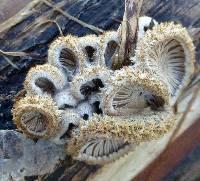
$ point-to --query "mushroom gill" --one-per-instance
(133, 91)
(169, 51)
(89, 45)
(37, 117)
(44, 79)
(109, 44)
(101, 151)
(64, 53)
(135, 108)
(91, 81)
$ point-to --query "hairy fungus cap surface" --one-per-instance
(44, 79)
(131, 90)
(169, 51)
(64, 53)
(36, 116)
(78, 99)
(89, 45)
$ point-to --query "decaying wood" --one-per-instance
(20, 16)
(29, 33)
(95, 29)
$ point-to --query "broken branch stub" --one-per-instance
(127, 33)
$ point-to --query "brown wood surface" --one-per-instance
(172, 155)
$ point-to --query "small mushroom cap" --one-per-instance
(65, 53)
(101, 151)
(109, 42)
(145, 23)
(89, 45)
(128, 88)
(169, 51)
(43, 79)
(90, 74)
(37, 117)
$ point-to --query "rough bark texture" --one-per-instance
(34, 34)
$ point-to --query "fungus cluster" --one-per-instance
(78, 99)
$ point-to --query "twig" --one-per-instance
(20, 54)
(58, 26)
(127, 34)
(117, 20)
(13, 54)
(67, 15)
(10, 62)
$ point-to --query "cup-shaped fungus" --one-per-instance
(109, 43)
(133, 91)
(103, 112)
(135, 108)
(37, 117)
(44, 79)
(64, 53)
(169, 51)
(89, 45)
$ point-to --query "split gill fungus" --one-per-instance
(77, 98)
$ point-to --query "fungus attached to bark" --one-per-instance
(108, 43)
(44, 79)
(65, 54)
(169, 51)
(37, 117)
(132, 91)
(79, 98)
(89, 45)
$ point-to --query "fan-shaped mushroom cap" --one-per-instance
(169, 51)
(90, 81)
(103, 139)
(89, 45)
(43, 79)
(64, 53)
(96, 149)
(109, 42)
(145, 23)
(37, 117)
(129, 90)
